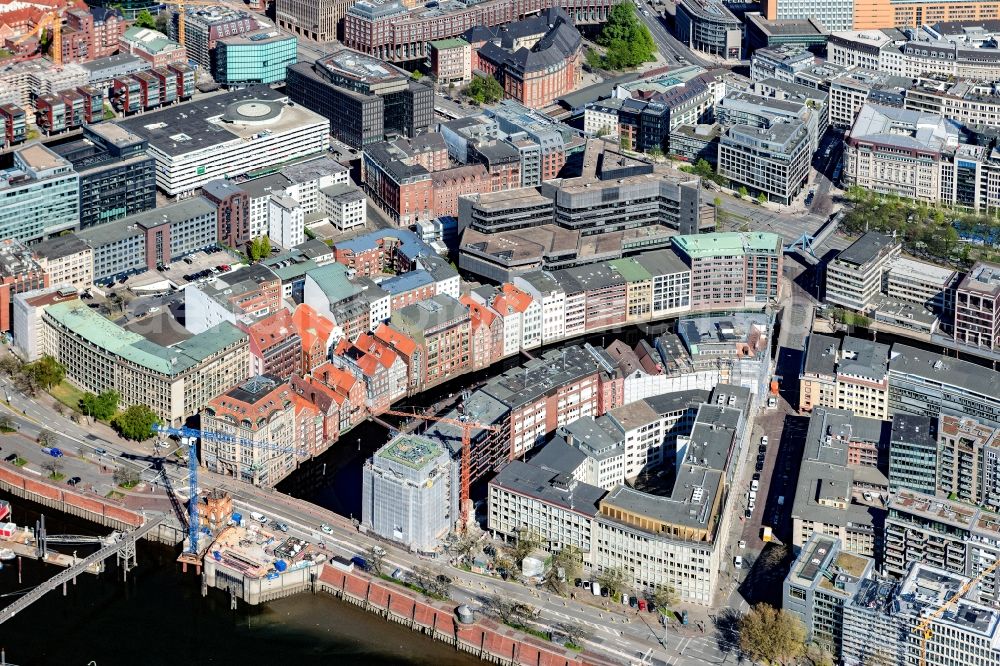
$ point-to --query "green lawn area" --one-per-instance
(128, 485)
(67, 394)
(20, 462)
(57, 476)
(115, 495)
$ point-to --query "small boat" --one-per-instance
(7, 554)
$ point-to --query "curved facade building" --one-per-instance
(709, 26)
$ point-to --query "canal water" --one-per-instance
(158, 617)
(333, 479)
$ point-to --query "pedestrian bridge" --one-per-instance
(124, 547)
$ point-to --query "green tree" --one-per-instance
(771, 635)
(7, 424)
(626, 39)
(145, 20)
(46, 372)
(101, 406)
(743, 191)
(416, 75)
(163, 22)
(10, 365)
(485, 90)
(46, 438)
(375, 558)
(626, 142)
(614, 580)
(527, 541)
(664, 598)
(259, 248)
(762, 198)
(136, 422)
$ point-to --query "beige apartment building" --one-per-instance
(851, 374)
(66, 260)
(175, 382)
(256, 421)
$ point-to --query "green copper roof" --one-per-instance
(132, 347)
(729, 243)
(332, 279)
(631, 270)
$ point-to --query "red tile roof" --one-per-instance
(395, 339)
(312, 326)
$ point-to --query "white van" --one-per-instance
(738, 562)
(259, 517)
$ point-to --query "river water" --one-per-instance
(158, 617)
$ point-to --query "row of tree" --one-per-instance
(30, 378)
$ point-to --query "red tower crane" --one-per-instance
(466, 470)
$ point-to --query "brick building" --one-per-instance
(233, 210)
(450, 184)
(315, 335)
(409, 351)
(381, 251)
(91, 33)
(977, 307)
(441, 326)
(275, 346)
(737, 270)
(535, 60)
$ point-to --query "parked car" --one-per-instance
(763, 440)
(738, 562)
(75, 480)
(772, 402)
(326, 528)
(755, 485)
(281, 526)
(742, 544)
(11, 458)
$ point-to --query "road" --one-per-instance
(615, 631)
(452, 108)
(672, 49)
(763, 218)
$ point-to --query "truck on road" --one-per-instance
(52, 451)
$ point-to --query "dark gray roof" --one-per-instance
(559, 456)
(944, 369)
(555, 368)
(821, 355)
(914, 429)
(390, 162)
(866, 248)
(689, 503)
(221, 188)
(662, 262)
(59, 247)
(550, 487)
(313, 248)
(863, 358)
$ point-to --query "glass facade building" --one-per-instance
(258, 57)
(40, 195)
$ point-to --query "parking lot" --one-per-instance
(198, 266)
